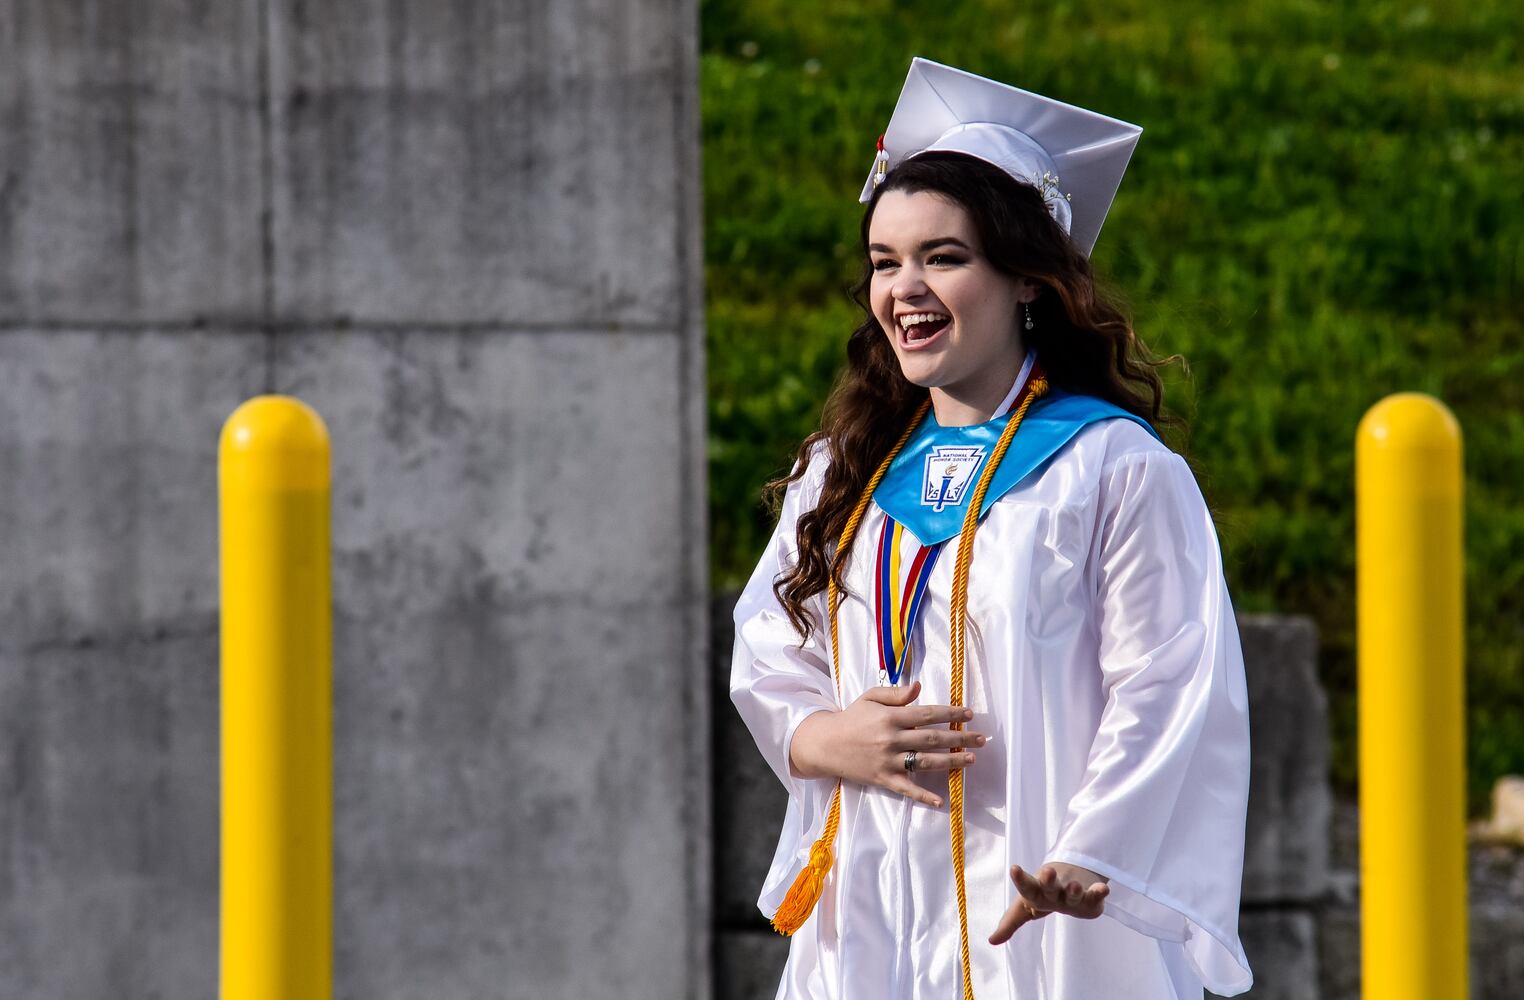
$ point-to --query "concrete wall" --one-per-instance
(468, 235)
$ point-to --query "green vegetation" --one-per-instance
(1326, 206)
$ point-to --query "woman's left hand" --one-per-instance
(1058, 888)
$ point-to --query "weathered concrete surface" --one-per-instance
(130, 159)
(508, 161)
(108, 480)
(468, 234)
(1496, 921)
(507, 708)
(108, 658)
(748, 964)
(1339, 914)
(748, 802)
(1339, 954)
(108, 773)
(1286, 839)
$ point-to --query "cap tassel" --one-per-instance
(805, 892)
(880, 163)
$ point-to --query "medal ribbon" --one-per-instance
(895, 612)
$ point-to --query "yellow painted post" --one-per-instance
(1411, 698)
(277, 731)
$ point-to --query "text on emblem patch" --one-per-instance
(949, 471)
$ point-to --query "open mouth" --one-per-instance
(920, 328)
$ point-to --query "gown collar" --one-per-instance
(1021, 380)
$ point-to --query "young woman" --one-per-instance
(989, 650)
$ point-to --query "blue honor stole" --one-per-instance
(937, 470)
(924, 490)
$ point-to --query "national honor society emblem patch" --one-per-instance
(949, 470)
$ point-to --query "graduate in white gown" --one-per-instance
(1018, 763)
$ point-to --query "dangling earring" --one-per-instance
(1028, 307)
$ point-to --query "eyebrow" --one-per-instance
(928, 245)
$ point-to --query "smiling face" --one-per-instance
(949, 314)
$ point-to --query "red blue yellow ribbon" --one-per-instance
(895, 610)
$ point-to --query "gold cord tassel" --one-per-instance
(957, 625)
(802, 896)
(805, 892)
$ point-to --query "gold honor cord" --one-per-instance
(805, 891)
(957, 622)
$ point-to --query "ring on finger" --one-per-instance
(911, 757)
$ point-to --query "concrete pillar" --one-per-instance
(469, 236)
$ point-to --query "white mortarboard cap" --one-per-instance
(1082, 154)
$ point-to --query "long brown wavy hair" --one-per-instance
(1087, 345)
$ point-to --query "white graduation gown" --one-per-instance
(1104, 661)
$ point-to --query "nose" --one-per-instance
(908, 284)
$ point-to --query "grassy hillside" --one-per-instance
(1326, 206)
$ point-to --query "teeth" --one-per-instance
(915, 319)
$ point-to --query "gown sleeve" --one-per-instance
(1161, 808)
(775, 684)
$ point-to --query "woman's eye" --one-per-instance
(880, 265)
(943, 258)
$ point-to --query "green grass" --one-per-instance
(1326, 206)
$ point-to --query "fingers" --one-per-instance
(894, 694)
(1042, 892)
(1014, 917)
(1022, 911)
(913, 791)
(937, 715)
(1032, 888)
(1045, 893)
(919, 715)
(1093, 900)
(1078, 898)
(1078, 901)
(939, 739)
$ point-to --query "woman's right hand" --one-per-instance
(866, 742)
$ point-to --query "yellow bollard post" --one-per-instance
(277, 731)
(1411, 701)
